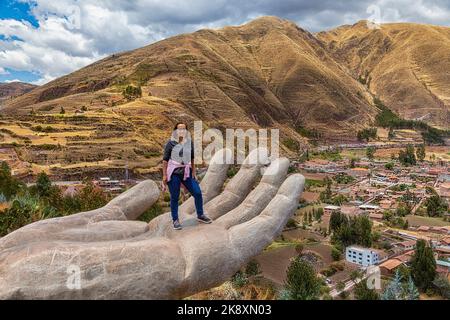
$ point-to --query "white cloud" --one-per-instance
(74, 33)
(3, 71)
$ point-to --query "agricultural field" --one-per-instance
(75, 144)
(414, 220)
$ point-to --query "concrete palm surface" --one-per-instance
(105, 254)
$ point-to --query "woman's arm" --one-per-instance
(164, 173)
(194, 171)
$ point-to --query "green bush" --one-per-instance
(335, 254)
(22, 211)
(131, 92)
(367, 134)
(252, 268)
(239, 280)
(291, 144)
(291, 223)
(151, 213)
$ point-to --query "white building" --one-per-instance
(362, 256)
(369, 207)
(329, 209)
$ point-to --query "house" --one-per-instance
(442, 252)
(370, 208)
(423, 229)
(358, 172)
(406, 245)
(445, 241)
(442, 267)
(441, 230)
(388, 267)
(444, 190)
(386, 204)
(376, 216)
(363, 256)
(349, 211)
(406, 257)
(329, 209)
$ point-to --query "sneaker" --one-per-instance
(177, 225)
(204, 219)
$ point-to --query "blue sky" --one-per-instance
(41, 40)
(10, 9)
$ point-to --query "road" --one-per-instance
(349, 285)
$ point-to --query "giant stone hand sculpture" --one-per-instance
(119, 258)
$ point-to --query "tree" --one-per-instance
(325, 196)
(335, 254)
(411, 290)
(436, 206)
(370, 152)
(423, 265)
(22, 211)
(43, 185)
(389, 166)
(9, 186)
(391, 134)
(131, 92)
(420, 152)
(301, 281)
(356, 230)
(394, 289)
(352, 162)
(318, 213)
(363, 230)
(337, 219)
(366, 134)
(91, 197)
(63, 111)
(404, 271)
(339, 200)
(355, 274)
(407, 157)
(340, 286)
(363, 292)
(442, 284)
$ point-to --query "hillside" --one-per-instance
(406, 65)
(268, 72)
(14, 89)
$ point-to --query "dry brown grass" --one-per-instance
(407, 65)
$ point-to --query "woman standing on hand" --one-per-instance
(179, 169)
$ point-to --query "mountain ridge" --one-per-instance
(404, 64)
(268, 72)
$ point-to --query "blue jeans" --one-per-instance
(193, 188)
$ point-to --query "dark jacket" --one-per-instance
(168, 154)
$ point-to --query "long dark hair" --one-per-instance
(176, 128)
(178, 123)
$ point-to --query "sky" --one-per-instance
(41, 40)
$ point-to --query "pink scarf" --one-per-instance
(172, 165)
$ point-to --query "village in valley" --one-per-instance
(402, 192)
